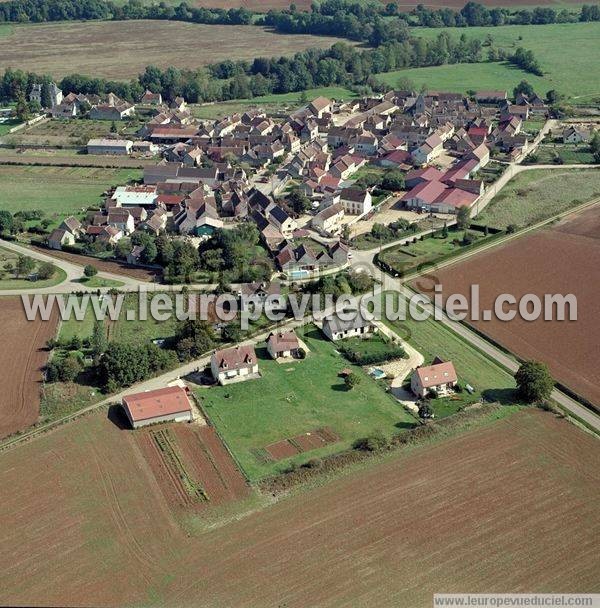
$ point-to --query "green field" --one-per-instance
(571, 154)
(294, 398)
(8, 280)
(404, 259)
(276, 103)
(58, 191)
(538, 194)
(96, 282)
(567, 52)
(432, 339)
(7, 125)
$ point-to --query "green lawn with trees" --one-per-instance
(298, 397)
(564, 51)
(16, 269)
(432, 339)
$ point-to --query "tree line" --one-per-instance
(340, 65)
(370, 22)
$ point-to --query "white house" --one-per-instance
(234, 364)
(439, 377)
(282, 345)
(337, 329)
(356, 201)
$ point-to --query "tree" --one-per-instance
(393, 180)
(351, 380)
(298, 201)
(445, 231)
(523, 88)
(90, 271)
(534, 381)
(6, 222)
(46, 271)
(22, 109)
(372, 443)
(98, 341)
(425, 410)
(45, 96)
(463, 218)
(24, 266)
(595, 146)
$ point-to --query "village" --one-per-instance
(304, 181)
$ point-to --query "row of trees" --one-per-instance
(341, 65)
(526, 60)
(37, 11)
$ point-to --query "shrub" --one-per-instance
(372, 443)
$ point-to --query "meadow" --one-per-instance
(537, 194)
(299, 397)
(57, 191)
(565, 52)
(122, 49)
(8, 261)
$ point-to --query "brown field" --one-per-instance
(510, 506)
(114, 267)
(563, 259)
(122, 49)
(22, 358)
(206, 460)
(301, 443)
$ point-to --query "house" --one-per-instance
(282, 221)
(60, 237)
(266, 295)
(429, 150)
(574, 134)
(356, 201)
(283, 345)
(439, 377)
(171, 404)
(338, 329)
(152, 99)
(491, 97)
(119, 147)
(320, 106)
(112, 111)
(234, 364)
(72, 225)
(134, 257)
(329, 220)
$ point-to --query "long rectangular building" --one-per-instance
(171, 404)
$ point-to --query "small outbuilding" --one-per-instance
(171, 404)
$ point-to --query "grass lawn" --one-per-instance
(7, 125)
(570, 153)
(7, 280)
(565, 51)
(295, 398)
(58, 191)
(432, 339)
(95, 282)
(376, 344)
(535, 195)
(407, 258)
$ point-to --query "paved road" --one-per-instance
(74, 273)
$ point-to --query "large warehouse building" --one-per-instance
(170, 404)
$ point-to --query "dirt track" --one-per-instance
(512, 506)
(21, 361)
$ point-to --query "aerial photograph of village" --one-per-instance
(299, 303)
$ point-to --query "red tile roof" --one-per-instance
(153, 404)
(434, 375)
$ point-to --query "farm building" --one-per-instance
(118, 147)
(234, 364)
(439, 377)
(338, 329)
(170, 404)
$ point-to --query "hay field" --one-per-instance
(122, 49)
